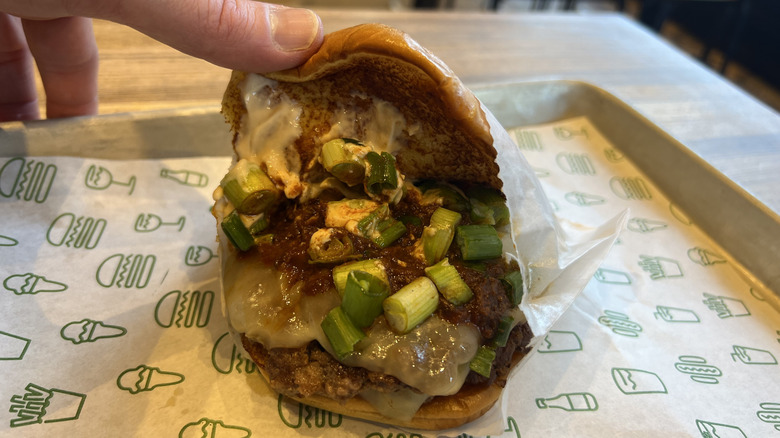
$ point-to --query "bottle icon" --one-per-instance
(660, 267)
(100, 178)
(186, 177)
(147, 222)
(572, 402)
(674, 314)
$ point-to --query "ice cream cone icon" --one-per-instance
(643, 225)
(584, 199)
(88, 330)
(207, 428)
(705, 257)
(30, 283)
(145, 378)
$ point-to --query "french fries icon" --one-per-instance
(42, 405)
(30, 284)
(88, 330)
(145, 378)
(207, 428)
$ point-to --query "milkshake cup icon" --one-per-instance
(705, 257)
(673, 314)
(575, 164)
(753, 356)
(8, 241)
(27, 180)
(29, 283)
(147, 222)
(145, 378)
(576, 401)
(100, 178)
(660, 267)
(82, 232)
(611, 276)
(88, 330)
(207, 428)
(45, 405)
(643, 225)
(698, 369)
(709, 429)
(560, 342)
(632, 381)
(198, 255)
(186, 177)
(584, 199)
(12, 347)
(630, 188)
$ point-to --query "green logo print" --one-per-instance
(8, 241)
(528, 140)
(620, 324)
(147, 222)
(401, 435)
(708, 429)
(558, 341)
(30, 284)
(770, 413)
(294, 418)
(614, 155)
(698, 369)
(82, 232)
(572, 402)
(566, 133)
(145, 378)
(679, 215)
(100, 178)
(198, 255)
(583, 199)
(674, 314)
(511, 428)
(89, 330)
(575, 164)
(184, 309)
(630, 188)
(126, 270)
(12, 347)
(631, 381)
(753, 356)
(186, 177)
(226, 358)
(660, 267)
(705, 257)
(610, 276)
(725, 307)
(644, 225)
(42, 405)
(26, 180)
(208, 428)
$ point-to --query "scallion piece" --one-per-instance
(387, 232)
(437, 237)
(257, 224)
(341, 332)
(447, 195)
(341, 163)
(449, 282)
(381, 172)
(363, 296)
(264, 239)
(515, 281)
(368, 225)
(483, 361)
(371, 266)
(248, 188)
(328, 245)
(504, 328)
(488, 206)
(236, 231)
(479, 242)
(411, 305)
(411, 220)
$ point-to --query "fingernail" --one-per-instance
(294, 29)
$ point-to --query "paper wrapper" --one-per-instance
(109, 289)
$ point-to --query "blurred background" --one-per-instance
(740, 39)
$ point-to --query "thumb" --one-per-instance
(236, 34)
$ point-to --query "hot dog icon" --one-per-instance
(698, 369)
(770, 413)
(28, 180)
(620, 323)
(82, 232)
(126, 270)
(184, 309)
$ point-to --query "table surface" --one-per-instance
(731, 130)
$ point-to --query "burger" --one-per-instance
(367, 259)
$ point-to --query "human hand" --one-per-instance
(236, 34)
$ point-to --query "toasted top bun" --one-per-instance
(453, 141)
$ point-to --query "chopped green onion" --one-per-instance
(236, 231)
(483, 361)
(449, 196)
(449, 282)
(264, 239)
(363, 296)
(479, 242)
(515, 281)
(368, 225)
(411, 220)
(341, 332)
(411, 305)
(488, 206)
(504, 328)
(257, 224)
(381, 173)
(327, 245)
(371, 266)
(341, 163)
(387, 232)
(437, 237)
(248, 188)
